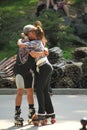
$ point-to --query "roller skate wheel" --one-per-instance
(44, 122)
(30, 122)
(53, 121)
(18, 125)
(35, 123)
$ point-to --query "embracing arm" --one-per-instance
(21, 44)
(34, 54)
(26, 39)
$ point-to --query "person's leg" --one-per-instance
(48, 4)
(40, 118)
(55, 7)
(43, 97)
(18, 100)
(66, 9)
(29, 83)
(20, 88)
(30, 100)
(30, 97)
(40, 95)
(19, 94)
(48, 102)
(52, 2)
(41, 85)
(49, 106)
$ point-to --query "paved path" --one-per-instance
(69, 110)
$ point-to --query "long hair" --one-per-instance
(41, 35)
(40, 32)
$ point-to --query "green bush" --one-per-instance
(56, 32)
(16, 14)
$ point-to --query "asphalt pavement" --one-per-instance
(69, 110)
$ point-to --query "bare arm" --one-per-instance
(34, 54)
(26, 39)
(21, 44)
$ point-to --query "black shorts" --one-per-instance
(24, 74)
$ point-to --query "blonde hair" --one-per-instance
(41, 35)
(40, 32)
(38, 23)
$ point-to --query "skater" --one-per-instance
(42, 74)
(24, 80)
(38, 23)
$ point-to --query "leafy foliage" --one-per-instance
(56, 32)
(14, 14)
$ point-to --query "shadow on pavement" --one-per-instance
(22, 128)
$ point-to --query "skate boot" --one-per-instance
(39, 120)
(52, 117)
(18, 120)
(31, 115)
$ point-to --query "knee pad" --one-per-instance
(19, 81)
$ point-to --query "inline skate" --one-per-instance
(51, 117)
(31, 115)
(39, 120)
(18, 120)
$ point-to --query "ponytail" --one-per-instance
(38, 23)
(40, 35)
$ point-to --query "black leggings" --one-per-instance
(42, 84)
